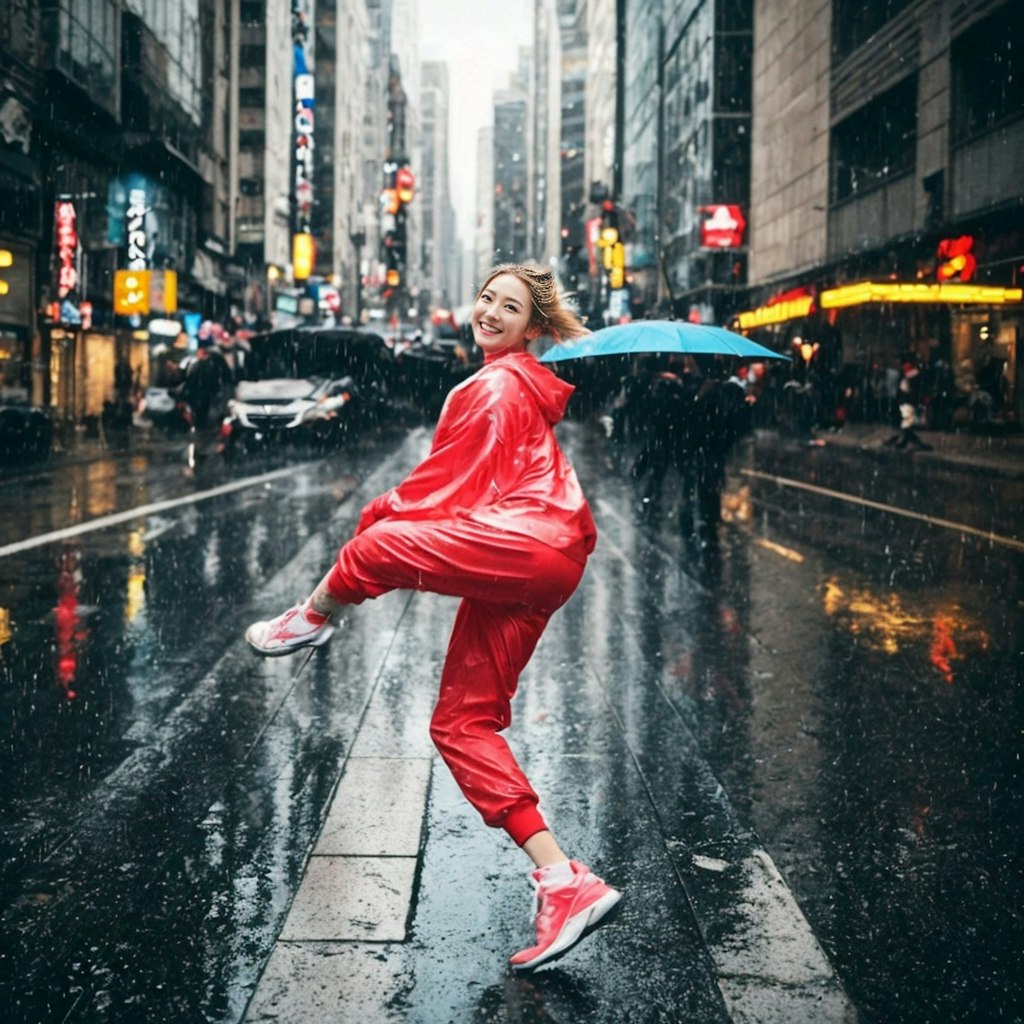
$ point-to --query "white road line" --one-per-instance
(993, 538)
(116, 518)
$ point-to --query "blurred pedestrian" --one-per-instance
(668, 400)
(208, 384)
(910, 398)
(495, 516)
(722, 418)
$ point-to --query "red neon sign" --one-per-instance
(67, 248)
(955, 259)
(722, 227)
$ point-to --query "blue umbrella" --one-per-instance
(660, 336)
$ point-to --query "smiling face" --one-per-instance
(502, 315)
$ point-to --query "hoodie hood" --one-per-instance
(550, 392)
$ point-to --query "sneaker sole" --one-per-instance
(578, 927)
(279, 652)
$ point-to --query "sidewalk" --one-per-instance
(999, 453)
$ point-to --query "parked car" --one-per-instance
(305, 410)
(26, 433)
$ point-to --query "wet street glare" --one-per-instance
(851, 677)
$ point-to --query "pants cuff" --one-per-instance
(522, 822)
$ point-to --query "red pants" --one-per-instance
(510, 585)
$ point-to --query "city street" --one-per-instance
(796, 751)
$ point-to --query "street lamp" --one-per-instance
(358, 238)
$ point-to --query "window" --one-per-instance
(86, 45)
(252, 12)
(988, 87)
(876, 143)
(251, 138)
(177, 27)
(734, 16)
(731, 160)
(854, 22)
(252, 55)
(255, 97)
(733, 69)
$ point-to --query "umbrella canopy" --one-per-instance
(660, 336)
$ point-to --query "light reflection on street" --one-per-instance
(883, 624)
(69, 635)
(135, 594)
(779, 549)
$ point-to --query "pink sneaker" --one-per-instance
(298, 627)
(566, 911)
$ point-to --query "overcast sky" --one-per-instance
(480, 40)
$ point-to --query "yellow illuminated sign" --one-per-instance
(163, 291)
(131, 292)
(872, 291)
(776, 313)
(303, 255)
(6, 260)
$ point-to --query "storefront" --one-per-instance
(92, 373)
(17, 351)
(953, 305)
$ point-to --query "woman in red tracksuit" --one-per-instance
(494, 515)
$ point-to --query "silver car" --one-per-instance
(285, 409)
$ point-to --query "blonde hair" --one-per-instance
(550, 313)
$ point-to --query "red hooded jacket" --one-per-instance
(495, 460)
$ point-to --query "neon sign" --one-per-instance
(872, 291)
(304, 145)
(136, 217)
(956, 259)
(722, 227)
(67, 248)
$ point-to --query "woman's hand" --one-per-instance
(375, 510)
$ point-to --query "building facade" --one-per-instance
(114, 210)
(886, 216)
(437, 251)
(574, 263)
(512, 239)
(156, 162)
(686, 153)
(544, 197)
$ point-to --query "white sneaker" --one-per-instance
(296, 628)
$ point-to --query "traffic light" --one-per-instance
(405, 185)
(609, 223)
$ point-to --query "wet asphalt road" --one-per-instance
(851, 677)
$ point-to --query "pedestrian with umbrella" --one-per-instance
(701, 441)
(495, 516)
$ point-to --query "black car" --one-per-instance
(26, 433)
